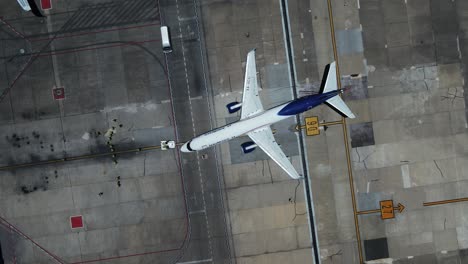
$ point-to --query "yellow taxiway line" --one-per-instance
(369, 212)
(339, 122)
(331, 123)
(345, 136)
(446, 201)
(82, 157)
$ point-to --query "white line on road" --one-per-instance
(186, 18)
(196, 261)
(198, 212)
(202, 187)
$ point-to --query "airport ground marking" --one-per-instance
(82, 157)
(458, 200)
(312, 125)
(345, 137)
(386, 210)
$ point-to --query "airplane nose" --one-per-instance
(184, 148)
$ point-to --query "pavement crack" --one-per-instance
(144, 166)
(124, 140)
(294, 201)
(425, 83)
(363, 161)
(263, 168)
(269, 169)
(440, 171)
(338, 253)
(451, 96)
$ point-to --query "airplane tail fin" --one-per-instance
(329, 83)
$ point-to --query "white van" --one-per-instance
(166, 39)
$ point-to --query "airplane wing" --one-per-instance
(251, 103)
(264, 138)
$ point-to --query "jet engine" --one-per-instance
(233, 107)
(248, 147)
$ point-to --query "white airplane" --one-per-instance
(255, 121)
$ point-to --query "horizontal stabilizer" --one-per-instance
(337, 104)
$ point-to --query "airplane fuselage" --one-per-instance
(257, 121)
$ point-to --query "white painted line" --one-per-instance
(305, 60)
(368, 186)
(405, 176)
(186, 18)
(358, 5)
(196, 98)
(197, 212)
(202, 187)
(302, 35)
(458, 48)
(85, 136)
(196, 261)
(360, 27)
(165, 101)
(370, 87)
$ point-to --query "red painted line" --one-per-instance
(127, 256)
(15, 229)
(12, 247)
(12, 28)
(179, 165)
(7, 90)
(47, 54)
(46, 4)
(94, 32)
(28, 63)
(179, 162)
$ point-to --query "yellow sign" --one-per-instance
(386, 209)
(312, 126)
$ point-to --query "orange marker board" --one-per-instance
(386, 209)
